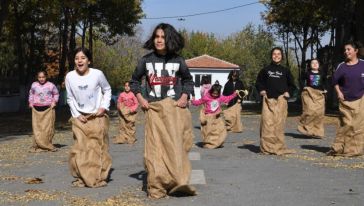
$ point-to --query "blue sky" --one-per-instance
(221, 24)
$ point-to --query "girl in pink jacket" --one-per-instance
(43, 97)
(213, 99)
(127, 106)
(213, 128)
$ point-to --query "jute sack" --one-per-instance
(313, 113)
(232, 118)
(89, 159)
(126, 127)
(349, 139)
(213, 130)
(43, 129)
(168, 139)
(274, 114)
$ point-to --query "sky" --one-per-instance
(221, 24)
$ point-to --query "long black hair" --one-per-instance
(174, 41)
(205, 80)
(233, 73)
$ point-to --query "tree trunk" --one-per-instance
(83, 37)
(31, 62)
(19, 46)
(4, 12)
(64, 49)
(90, 35)
(72, 45)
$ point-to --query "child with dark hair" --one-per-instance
(212, 125)
(168, 127)
(273, 83)
(232, 114)
(127, 106)
(348, 81)
(311, 122)
(43, 97)
(88, 96)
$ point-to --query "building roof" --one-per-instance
(206, 61)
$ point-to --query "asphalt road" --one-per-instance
(233, 175)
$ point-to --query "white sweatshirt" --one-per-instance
(86, 94)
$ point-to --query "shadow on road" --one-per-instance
(142, 176)
(197, 127)
(298, 136)
(316, 148)
(250, 147)
(109, 175)
(60, 145)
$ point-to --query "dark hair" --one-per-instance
(174, 41)
(233, 73)
(276, 48)
(314, 59)
(205, 80)
(83, 50)
(215, 88)
(42, 71)
(354, 44)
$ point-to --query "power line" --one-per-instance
(202, 13)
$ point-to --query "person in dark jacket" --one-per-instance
(234, 83)
(274, 83)
(168, 124)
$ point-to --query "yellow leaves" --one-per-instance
(123, 199)
(328, 161)
(33, 180)
(29, 195)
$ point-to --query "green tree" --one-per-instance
(118, 61)
(307, 23)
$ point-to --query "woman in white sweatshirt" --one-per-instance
(88, 96)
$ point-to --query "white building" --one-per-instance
(216, 69)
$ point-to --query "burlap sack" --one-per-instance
(213, 130)
(232, 118)
(349, 139)
(274, 114)
(311, 122)
(43, 130)
(126, 127)
(168, 138)
(89, 160)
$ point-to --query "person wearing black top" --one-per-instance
(313, 102)
(168, 123)
(233, 113)
(274, 83)
(234, 83)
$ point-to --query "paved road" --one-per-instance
(233, 175)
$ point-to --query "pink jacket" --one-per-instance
(129, 100)
(43, 95)
(213, 105)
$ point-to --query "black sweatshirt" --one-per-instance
(275, 80)
(316, 80)
(230, 88)
(166, 76)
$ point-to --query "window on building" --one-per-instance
(197, 80)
